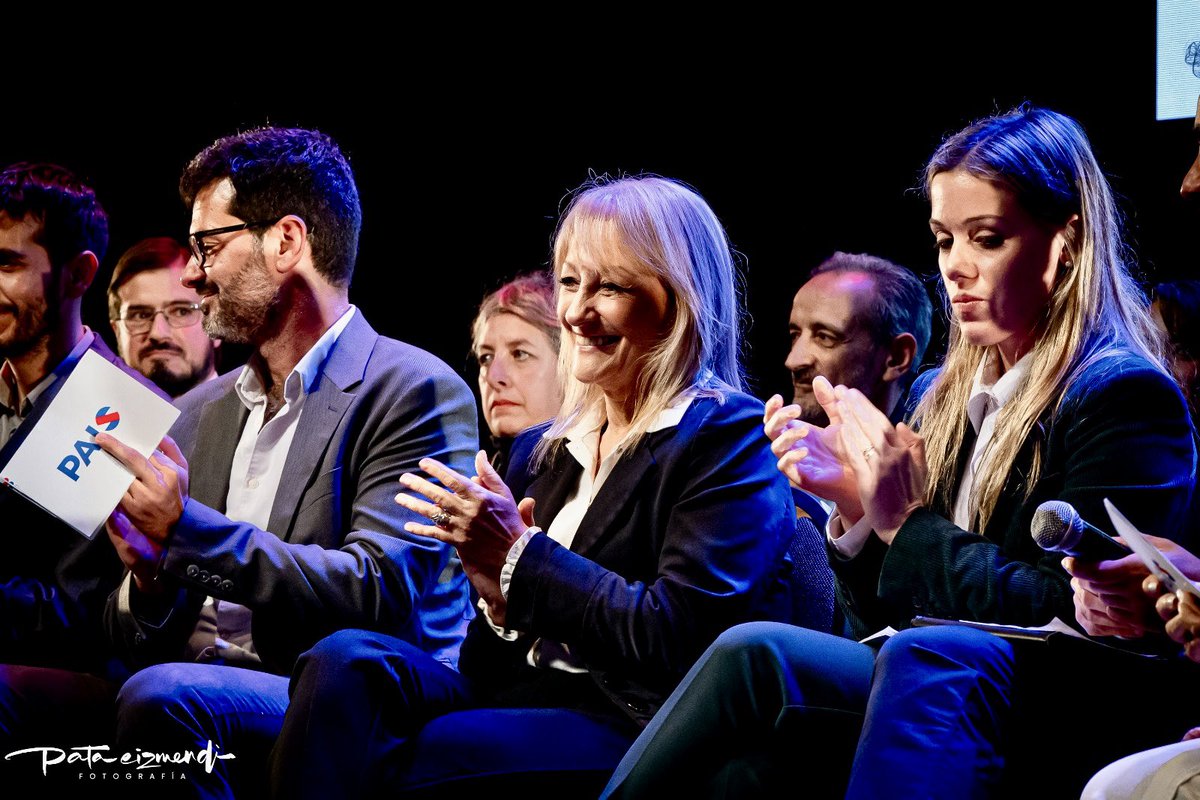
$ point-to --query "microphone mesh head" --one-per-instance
(1053, 523)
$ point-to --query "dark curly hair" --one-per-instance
(281, 171)
(72, 220)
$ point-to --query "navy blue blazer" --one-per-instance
(1122, 431)
(53, 581)
(685, 538)
(335, 553)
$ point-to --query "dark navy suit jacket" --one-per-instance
(1121, 431)
(685, 538)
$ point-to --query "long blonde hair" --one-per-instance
(668, 229)
(1096, 310)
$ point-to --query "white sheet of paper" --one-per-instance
(883, 634)
(60, 467)
(1055, 625)
(1159, 564)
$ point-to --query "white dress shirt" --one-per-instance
(990, 392)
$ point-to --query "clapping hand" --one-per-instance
(477, 515)
(810, 456)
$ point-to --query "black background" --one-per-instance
(806, 134)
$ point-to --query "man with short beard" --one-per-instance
(862, 322)
(286, 529)
(156, 319)
(54, 656)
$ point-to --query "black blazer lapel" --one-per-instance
(553, 487)
(965, 449)
(213, 454)
(1012, 499)
(599, 522)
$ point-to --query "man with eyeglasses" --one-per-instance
(281, 526)
(55, 659)
(156, 318)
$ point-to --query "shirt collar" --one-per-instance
(303, 378)
(583, 438)
(991, 391)
(8, 379)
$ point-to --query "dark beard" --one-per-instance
(813, 413)
(244, 308)
(177, 384)
(31, 330)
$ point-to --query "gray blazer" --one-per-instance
(335, 554)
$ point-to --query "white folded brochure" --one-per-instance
(60, 467)
(1160, 566)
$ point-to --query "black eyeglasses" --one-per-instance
(139, 319)
(200, 249)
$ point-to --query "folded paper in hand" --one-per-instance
(60, 467)
(1154, 559)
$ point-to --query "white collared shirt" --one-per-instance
(583, 443)
(223, 630)
(13, 408)
(990, 392)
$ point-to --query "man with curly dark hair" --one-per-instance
(284, 529)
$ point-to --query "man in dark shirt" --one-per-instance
(54, 658)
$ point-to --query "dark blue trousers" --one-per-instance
(943, 712)
(937, 719)
(768, 710)
(172, 708)
(372, 715)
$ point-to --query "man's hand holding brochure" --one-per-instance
(60, 464)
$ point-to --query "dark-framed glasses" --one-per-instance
(139, 319)
(200, 249)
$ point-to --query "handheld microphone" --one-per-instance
(1057, 527)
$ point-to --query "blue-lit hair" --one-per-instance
(71, 220)
(1096, 310)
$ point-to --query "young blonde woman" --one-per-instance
(1053, 388)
